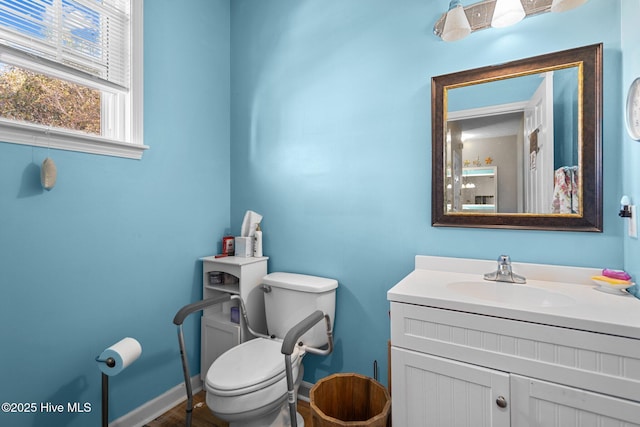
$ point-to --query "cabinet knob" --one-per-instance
(501, 402)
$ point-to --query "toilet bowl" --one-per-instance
(247, 385)
(249, 381)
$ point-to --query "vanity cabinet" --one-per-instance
(540, 403)
(453, 368)
(240, 276)
(433, 391)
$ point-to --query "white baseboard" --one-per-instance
(158, 406)
(173, 397)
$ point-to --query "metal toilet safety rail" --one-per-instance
(288, 345)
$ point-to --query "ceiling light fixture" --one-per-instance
(456, 24)
(461, 21)
(507, 12)
(562, 5)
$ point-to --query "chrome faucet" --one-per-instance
(504, 272)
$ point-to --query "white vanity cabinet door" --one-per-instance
(436, 392)
(538, 403)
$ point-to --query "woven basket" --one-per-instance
(349, 400)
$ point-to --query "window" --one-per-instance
(71, 75)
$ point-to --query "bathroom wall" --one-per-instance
(330, 129)
(331, 142)
(630, 158)
(112, 250)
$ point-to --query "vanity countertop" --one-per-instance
(580, 304)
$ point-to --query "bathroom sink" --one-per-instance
(510, 293)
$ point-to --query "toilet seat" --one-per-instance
(248, 367)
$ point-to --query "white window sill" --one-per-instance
(42, 136)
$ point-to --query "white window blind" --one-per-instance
(87, 38)
(94, 45)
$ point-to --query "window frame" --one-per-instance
(130, 145)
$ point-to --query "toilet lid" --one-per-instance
(249, 366)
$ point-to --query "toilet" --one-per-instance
(247, 385)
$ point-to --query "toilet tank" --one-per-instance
(292, 297)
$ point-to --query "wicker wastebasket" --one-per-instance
(349, 400)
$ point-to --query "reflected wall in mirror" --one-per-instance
(518, 145)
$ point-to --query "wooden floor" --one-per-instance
(202, 416)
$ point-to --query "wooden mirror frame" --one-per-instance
(589, 139)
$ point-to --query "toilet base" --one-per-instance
(275, 419)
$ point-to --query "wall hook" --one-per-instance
(48, 174)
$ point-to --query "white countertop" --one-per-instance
(593, 310)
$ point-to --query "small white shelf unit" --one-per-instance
(218, 332)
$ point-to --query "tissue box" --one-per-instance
(244, 246)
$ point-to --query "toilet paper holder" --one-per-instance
(109, 361)
(127, 351)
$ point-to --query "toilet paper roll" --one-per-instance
(123, 353)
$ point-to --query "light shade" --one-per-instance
(507, 12)
(562, 5)
(456, 24)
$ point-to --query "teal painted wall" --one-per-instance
(112, 250)
(327, 135)
(331, 142)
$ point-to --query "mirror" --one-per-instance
(518, 145)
